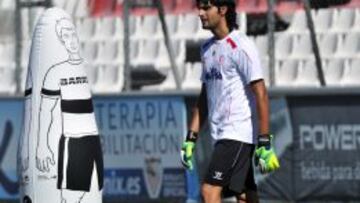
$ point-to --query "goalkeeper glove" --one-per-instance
(265, 156)
(187, 150)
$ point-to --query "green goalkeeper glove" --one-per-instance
(187, 150)
(265, 156)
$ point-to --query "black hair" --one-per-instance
(230, 16)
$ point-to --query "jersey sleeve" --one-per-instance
(249, 66)
(51, 84)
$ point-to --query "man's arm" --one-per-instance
(44, 154)
(199, 111)
(262, 105)
(198, 117)
(264, 153)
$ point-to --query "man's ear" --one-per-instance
(223, 10)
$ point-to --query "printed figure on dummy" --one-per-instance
(68, 155)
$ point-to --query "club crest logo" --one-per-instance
(153, 175)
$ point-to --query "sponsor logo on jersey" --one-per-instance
(214, 74)
(73, 81)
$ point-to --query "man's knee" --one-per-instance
(248, 197)
(211, 192)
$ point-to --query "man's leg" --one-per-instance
(244, 172)
(211, 193)
(225, 163)
(248, 197)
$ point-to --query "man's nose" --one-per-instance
(201, 13)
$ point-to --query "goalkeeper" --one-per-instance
(234, 99)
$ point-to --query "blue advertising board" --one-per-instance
(10, 126)
(141, 139)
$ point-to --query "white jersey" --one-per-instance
(69, 82)
(229, 65)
